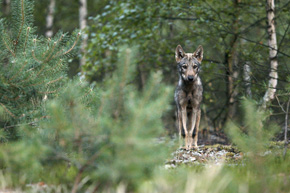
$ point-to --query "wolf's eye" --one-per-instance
(195, 66)
(184, 67)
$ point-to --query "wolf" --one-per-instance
(188, 94)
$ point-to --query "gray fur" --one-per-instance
(188, 94)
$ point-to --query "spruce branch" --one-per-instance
(28, 78)
(48, 58)
(21, 69)
(52, 49)
(9, 112)
(50, 92)
(75, 43)
(86, 94)
(27, 34)
(84, 166)
(40, 71)
(44, 53)
(48, 40)
(59, 40)
(57, 54)
(34, 41)
(14, 99)
(35, 84)
(36, 59)
(8, 47)
(53, 81)
(55, 67)
(22, 24)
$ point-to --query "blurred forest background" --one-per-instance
(86, 94)
(233, 33)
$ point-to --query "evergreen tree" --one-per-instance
(32, 68)
(108, 135)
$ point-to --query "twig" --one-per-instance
(73, 44)
(27, 34)
(37, 60)
(82, 169)
(96, 188)
(50, 92)
(9, 112)
(281, 106)
(22, 23)
(47, 58)
(53, 81)
(8, 47)
(286, 129)
(11, 126)
(13, 77)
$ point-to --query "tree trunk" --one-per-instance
(232, 62)
(6, 6)
(286, 129)
(83, 24)
(247, 79)
(49, 19)
(272, 42)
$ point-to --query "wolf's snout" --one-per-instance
(190, 78)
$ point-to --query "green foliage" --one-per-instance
(254, 137)
(108, 136)
(104, 137)
(32, 68)
(262, 169)
(120, 23)
(261, 164)
(224, 29)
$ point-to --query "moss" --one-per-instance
(277, 145)
(230, 154)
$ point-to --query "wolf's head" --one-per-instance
(188, 63)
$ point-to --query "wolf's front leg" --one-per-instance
(179, 125)
(197, 127)
(184, 120)
(193, 117)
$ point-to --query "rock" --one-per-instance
(169, 166)
(192, 159)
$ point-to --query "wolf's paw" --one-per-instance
(195, 147)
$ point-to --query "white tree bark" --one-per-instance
(49, 19)
(247, 79)
(272, 42)
(83, 12)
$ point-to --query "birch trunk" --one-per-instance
(83, 12)
(49, 19)
(247, 79)
(272, 42)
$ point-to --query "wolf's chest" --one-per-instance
(191, 100)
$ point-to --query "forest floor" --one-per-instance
(206, 154)
(214, 148)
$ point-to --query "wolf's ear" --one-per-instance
(198, 54)
(179, 53)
